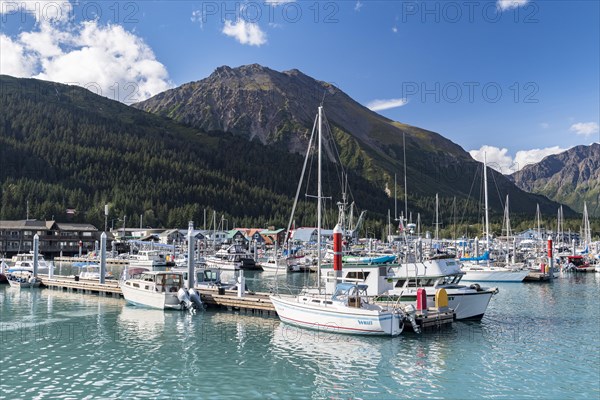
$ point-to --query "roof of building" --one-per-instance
(46, 225)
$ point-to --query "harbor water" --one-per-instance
(536, 341)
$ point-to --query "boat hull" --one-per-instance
(23, 285)
(146, 298)
(494, 275)
(330, 319)
(468, 304)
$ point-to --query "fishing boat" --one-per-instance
(22, 279)
(348, 310)
(160, 289)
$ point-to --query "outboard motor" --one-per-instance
(411, 313)
(195, 299)
(184, 299)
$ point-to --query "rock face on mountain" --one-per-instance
(279, 108)
(571, 178)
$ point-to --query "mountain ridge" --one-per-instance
(570, 177)
(278, 108)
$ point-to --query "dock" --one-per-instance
(255, 303)
(537, 277)
(250, 303)
(109, 261)
(433, 321)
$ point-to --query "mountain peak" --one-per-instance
(570, 177)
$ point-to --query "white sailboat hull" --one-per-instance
(223, 264)
(334, 319)
(494, 275)
(142, 297)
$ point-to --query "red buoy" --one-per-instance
(337, 250)
(550, 246)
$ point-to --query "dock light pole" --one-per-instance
(191, 242)
(36, 249)
(102, 257)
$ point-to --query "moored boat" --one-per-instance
(159, 289)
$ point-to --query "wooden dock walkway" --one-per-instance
(250, 303)
(109, 261)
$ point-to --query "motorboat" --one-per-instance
(24, 261)
(152, 260)
(22, 279)
(160, 289)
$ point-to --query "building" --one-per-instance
(55, 237)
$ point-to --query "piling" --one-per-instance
(102, 257)
(36, 249)
(550, 258)
(190, 240)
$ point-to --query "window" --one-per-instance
(358, 275)
(87, 234)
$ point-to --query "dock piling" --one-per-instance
(102, 257)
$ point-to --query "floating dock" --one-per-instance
(537, 277)
(250, 303)
(109, 261)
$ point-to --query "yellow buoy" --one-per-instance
(441, 299)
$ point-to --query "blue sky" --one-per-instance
(516, 76)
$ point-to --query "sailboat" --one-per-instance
(348, 310)
(476, 272)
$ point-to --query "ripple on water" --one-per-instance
(536, 341)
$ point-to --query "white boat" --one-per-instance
(159, 289)
(348, 311)
(150, 259)
(92, 272)
(22, 279)
(231, 258)
(207, 278)
(399, 283)
(24, 261)
(274, 265)
(474, 273)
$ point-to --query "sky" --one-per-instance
(516, 80)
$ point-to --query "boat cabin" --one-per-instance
(169, 282)
(350, 294)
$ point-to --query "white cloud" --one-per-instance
(394, 29)
(533, 156)
(509, 4)
(497, 158)
(379, 105)
(106, 59)
(358, 6)
(585, 128)
(245, 32)
(501, 161)
(14, 61)
(544, 125)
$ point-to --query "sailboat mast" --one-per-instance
(405, 187)
(395, 199)
(319, 198)
(437, 222)
(485, 191)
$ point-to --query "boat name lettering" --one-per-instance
(363, 322)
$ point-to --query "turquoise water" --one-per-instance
(536, 341)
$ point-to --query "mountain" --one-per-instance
(570, 177)
(278, 108)
(64, 147)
